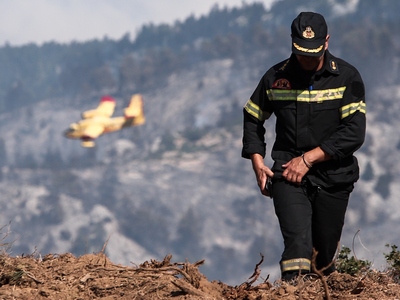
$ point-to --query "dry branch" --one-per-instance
(320, 273)
(190, 290)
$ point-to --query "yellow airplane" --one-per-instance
(98, 121)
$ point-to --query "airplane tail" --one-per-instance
(135, 110)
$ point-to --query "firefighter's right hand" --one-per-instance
(262, 173)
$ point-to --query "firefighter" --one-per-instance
(319, 104)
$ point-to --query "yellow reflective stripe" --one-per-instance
(351, 108)
(296, 264)
(284, 95)
(306, 95)
(254, 110)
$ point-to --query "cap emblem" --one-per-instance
(308, 33)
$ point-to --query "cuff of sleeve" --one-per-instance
(329, 151)
(251, 149)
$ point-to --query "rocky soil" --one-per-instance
(94, 276)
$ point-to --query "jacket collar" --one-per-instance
(330, 65)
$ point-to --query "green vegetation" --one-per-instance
(353, 266)
(350, 265)
(393, 260)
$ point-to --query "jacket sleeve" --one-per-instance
(254, 115)
(350, 134)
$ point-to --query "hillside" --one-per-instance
(177, 185)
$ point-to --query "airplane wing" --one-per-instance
(93, 131)
(105, 109)
(135, 110)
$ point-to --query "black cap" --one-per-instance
(309, 31)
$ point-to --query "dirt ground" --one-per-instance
(94, 276)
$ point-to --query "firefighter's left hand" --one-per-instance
(295, 169)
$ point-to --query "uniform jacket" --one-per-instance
(325, 109)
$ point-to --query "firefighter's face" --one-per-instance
(311, 63)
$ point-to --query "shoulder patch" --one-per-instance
(357, 89)
(282, 84)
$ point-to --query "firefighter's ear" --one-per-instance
(327, 42)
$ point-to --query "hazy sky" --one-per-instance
(38, 21)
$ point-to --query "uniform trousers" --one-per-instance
(310, 217)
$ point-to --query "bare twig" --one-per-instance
(320, 273)
(257, 271)
(166, 269)
(191, 290)
(3, 236)
(247, 285)
(105, 245)
(33, 278)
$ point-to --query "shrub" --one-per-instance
(352, 265)
(393, 260)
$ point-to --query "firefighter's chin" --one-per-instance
(310, 63)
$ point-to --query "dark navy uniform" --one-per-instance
(323, 109)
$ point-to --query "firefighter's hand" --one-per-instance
(262, 173)
(295, 169)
